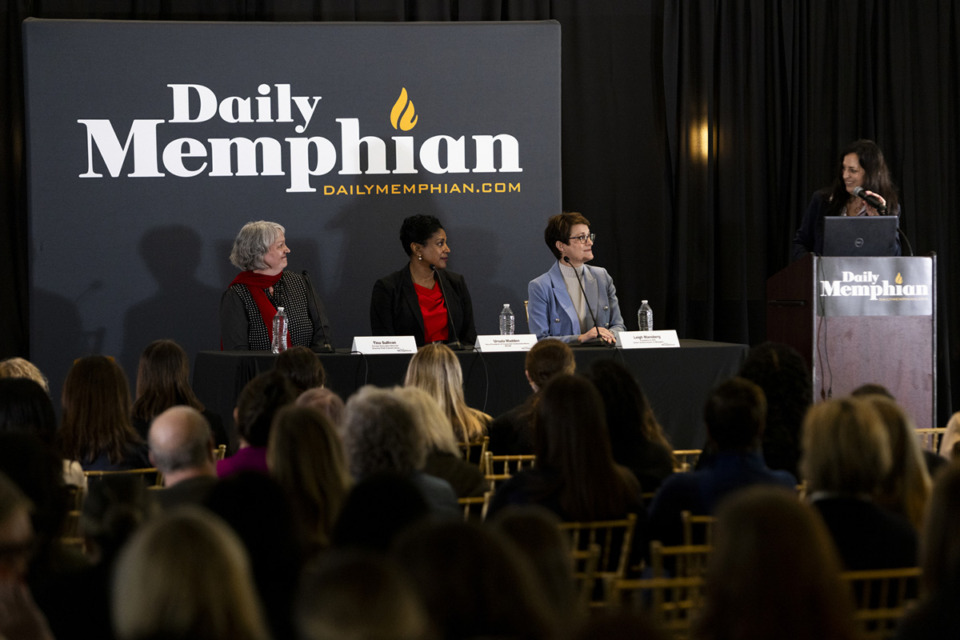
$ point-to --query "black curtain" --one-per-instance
(694, 133)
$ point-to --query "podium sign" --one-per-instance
(872, 287)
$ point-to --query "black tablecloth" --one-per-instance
(676, 381)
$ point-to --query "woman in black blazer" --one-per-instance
(423, 299)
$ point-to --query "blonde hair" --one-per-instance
(429, 418)
(436, 369)
(906, 487)
(186, 574)
(305, 455)
(845, 447)
(20, 368)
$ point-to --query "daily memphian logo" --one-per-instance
(875, 286)
(306, 160)
(868, 285)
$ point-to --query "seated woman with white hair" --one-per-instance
(251, 301)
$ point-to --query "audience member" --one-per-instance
(474, 583)
(181, 448)
(379, 435)
(734, 415)
(773, 573)
(96, 428)
(511, 433)
(325, 401)
(259, 512)
(436, 369)
(951, 436)
(783, 375)
(259, 401)
(20, 617)
(444, 459)
(936, 616)
(636, 438)
(359, 596)
(575, 476)
(186, 575)
(305, 456)
(846, 458)
(20, 368)
(163, 381)
(376, 510)
(301, 366)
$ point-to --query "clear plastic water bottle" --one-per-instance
(280, 328)
(507, 321)
(645, 317)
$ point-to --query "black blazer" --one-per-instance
(395, 310)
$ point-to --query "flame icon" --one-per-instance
(899, 279)
(403, 115)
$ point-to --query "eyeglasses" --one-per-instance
(582, 239)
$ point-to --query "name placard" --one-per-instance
(378, 345)
(648, 339)
(519, 342)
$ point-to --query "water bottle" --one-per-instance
(645, 317)
(280, 328)
(507, 321)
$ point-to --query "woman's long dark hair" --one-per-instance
(573, 447)
(876, 177)
(163, 380)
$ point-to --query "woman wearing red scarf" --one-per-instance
(250, 302)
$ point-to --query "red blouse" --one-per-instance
(434, 311)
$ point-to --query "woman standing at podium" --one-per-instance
(861, 166)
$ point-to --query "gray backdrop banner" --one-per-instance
(875, 286)
(151, 144)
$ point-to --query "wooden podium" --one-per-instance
(860, 320)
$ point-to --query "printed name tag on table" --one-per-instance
(648, 339)
(376, 345)
(519, 342)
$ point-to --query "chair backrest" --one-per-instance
(930, 438)
(697, 529)
(585, 562)
(475, 507)
(881, 598)
(614, 538)
(682, 561)
(671, 603)
(500, 468)
(475, 451)
(220, 452)
(150, 475)
(686, 459)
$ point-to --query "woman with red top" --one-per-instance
(248, 305)
(423, 299)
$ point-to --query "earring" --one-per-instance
(420, 257)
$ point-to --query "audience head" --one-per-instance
(359, 596)
(325, 401)
(16, 532)
(38, 471)
(376, 510)
(305, 456)
(774, 572)
(259, 401)
(180, 440)
(379, 435)
(435, 368)
(735, 415)
(940, 542)
(429, 419)
(846, 447)
(872, 389)
(473, 582)
(546, 359)
(96, 411)
(20, 368)
(113, 509)
(163, 380)
(558, 229)
(302, 367)
(185, 574)
(25, 406)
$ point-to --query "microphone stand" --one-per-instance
(585, 299)
(455, 343)
(325, 346)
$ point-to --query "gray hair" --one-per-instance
(253, 242)
(380, 435)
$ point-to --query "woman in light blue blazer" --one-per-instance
(561, 307)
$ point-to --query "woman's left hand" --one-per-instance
(871, 211)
